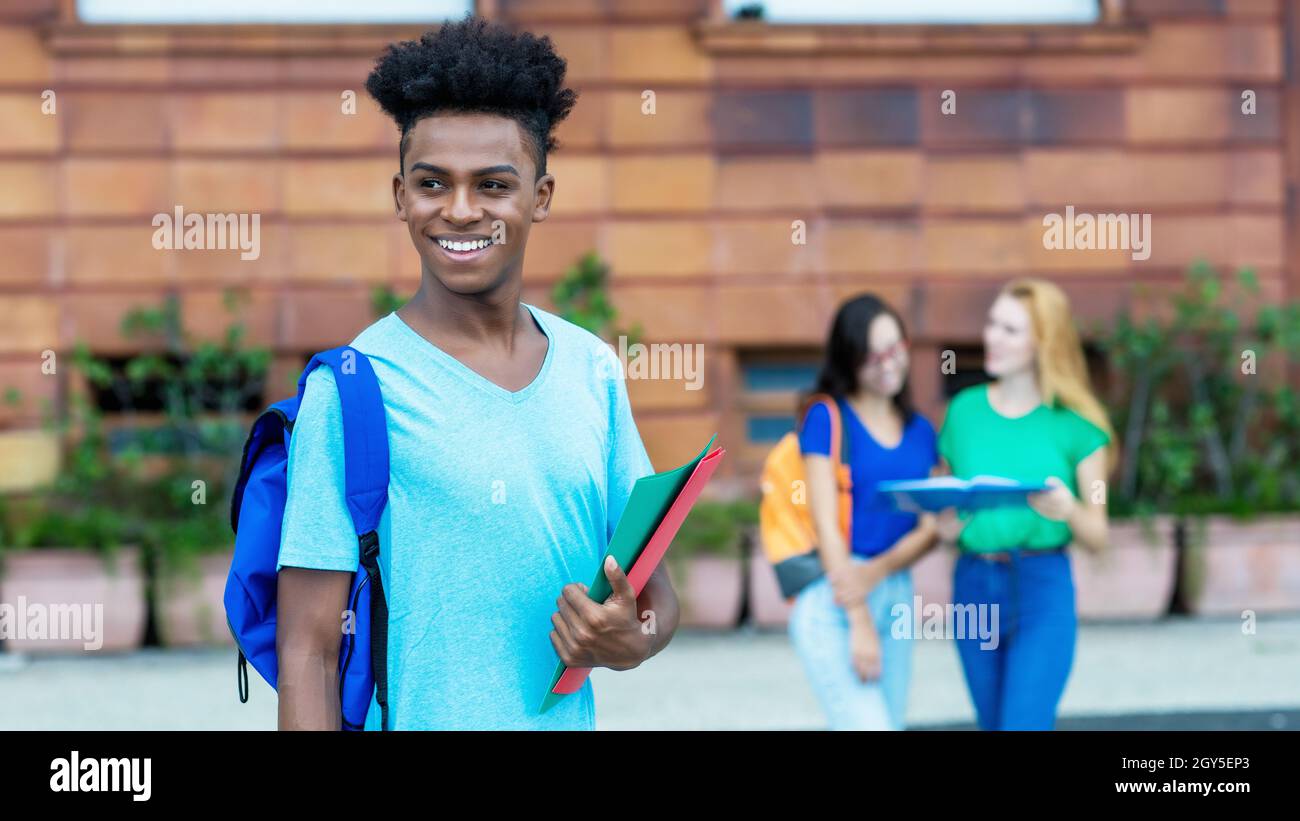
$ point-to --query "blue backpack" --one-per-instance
(258, 503)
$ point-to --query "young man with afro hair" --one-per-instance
(513, 448)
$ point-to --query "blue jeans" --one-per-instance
(1017, 682)
(819, 629)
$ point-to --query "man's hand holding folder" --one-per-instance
(588, 634)
(597, 617)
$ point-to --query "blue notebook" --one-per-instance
(978, 493)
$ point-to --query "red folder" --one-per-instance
(654, 551)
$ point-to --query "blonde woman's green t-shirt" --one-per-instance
(1048, 441)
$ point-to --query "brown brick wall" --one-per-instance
(692, 206)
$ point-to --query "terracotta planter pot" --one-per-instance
(188, 603)
(932, 576)
(110, 594)
(1244, 565)
(709, 590)
(767, 607)
(1132, 579)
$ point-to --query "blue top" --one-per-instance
(496, 500)
(874, 528)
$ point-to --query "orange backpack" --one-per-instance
(785, 519)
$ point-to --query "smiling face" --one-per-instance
(467, 179)
(884, 369)
(1008, 338)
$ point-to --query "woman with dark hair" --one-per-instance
(840, 624)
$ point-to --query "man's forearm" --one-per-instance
(308, 634)
(308, 689)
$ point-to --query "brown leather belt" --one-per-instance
(1004, 556)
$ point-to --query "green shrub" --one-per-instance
(714, 528)
(1207, 420)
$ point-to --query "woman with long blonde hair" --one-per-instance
(1036, 421)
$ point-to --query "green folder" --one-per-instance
(651, 497)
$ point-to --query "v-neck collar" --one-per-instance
(478, 380)
(860, 425)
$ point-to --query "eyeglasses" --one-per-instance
(892, 352)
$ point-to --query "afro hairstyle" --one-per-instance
(475, 66)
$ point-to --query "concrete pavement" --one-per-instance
(1184, 673)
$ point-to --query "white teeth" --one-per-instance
(469, 245)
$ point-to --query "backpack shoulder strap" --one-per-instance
(839, 444)
(365, 459)
(365, 432)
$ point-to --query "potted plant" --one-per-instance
(765, 606)
(1211, 444)
(190, 547)
(1135, 576)
(1236, 565)
(189, 580)
(932, 575)
(70, 566)
(706, 566)
(69, 569)
(205, 387)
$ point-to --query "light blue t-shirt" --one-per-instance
(496, 500)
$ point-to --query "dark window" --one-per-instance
(135, 410)
(961, 368)
(969, 367)
(768, 377)
(150, 395)
(771, 383)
